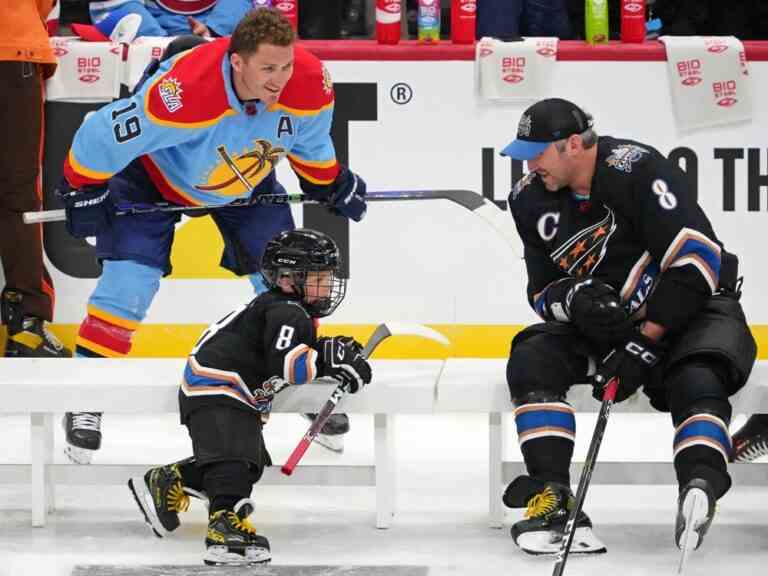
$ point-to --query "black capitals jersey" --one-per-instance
(640, 230)
(250, 353)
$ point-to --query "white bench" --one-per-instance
(42, 387)
(479, 385)
(150, 386)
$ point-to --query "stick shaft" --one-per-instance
(586, 476)
(268, 199)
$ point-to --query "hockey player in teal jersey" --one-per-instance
(205, 123)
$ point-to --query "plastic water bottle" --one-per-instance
(632, 20)
(288, 8)
(428, 21)
(463, 21)
(388, 21)
(596, 21)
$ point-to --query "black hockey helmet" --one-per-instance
(295, 253)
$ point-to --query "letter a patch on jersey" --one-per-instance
(284, 126)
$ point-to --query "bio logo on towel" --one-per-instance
(513, 69)
(546, 48)
(725, 93)
(89, 69)
(59, 47)
(689, 72)
(715, 45)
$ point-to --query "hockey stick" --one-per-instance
(381, 333)
(494, 216)
(586, 475)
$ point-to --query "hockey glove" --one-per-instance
(593, 307)
(632, 363)
(342, 359)
(348, 198)
(89, 210)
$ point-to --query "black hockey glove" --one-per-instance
(341, 358)
(593, 307)
(89, 210)
(632, 363)
(348, 197)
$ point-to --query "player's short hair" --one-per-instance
(261, 26)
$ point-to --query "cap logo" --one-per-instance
(524, 127)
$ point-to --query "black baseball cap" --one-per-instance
(545, 122)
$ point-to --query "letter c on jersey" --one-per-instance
(547, 225)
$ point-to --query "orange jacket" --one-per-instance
(23, 35)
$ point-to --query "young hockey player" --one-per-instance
(233, 372)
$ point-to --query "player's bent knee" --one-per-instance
(698, 387)
(533, 372)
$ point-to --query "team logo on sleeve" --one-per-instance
(170, 93)
(521, 184)
(623, 157)
(327, 82)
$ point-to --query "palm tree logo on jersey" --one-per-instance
(236, 175)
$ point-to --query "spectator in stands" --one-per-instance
(510, 19)
(26, 59)
(165, 18)
(320, 20)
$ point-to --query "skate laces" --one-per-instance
(753, 452)
(178, 500)
(39, 327)
(86, 421)
(542, 503)
(241, 524)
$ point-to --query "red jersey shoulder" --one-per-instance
(310, 87)
(192, 91)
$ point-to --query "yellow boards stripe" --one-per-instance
(467, 340)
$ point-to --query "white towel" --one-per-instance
(515, 70)
(710, 80)
(140, 52)
(87, 71)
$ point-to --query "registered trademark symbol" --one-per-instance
(401, 93)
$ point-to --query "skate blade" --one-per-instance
(695, 509)
(333, 443)
(220, 556)
(147, 506)
(78, 455)
(545, 543)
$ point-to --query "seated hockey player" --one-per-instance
(233, 372)
(624, 266)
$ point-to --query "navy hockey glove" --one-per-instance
(89, 210)
(341, 358)
(348, 199)
(632, 363)
(593, 307)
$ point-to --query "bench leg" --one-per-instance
(41, 429)
(384, 449)
(496, 453)
(50, 487)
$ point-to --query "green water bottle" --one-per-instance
(596, 20)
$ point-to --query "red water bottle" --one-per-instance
(463, 17)
(632, 20)
(388, 21)
(289, 9)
